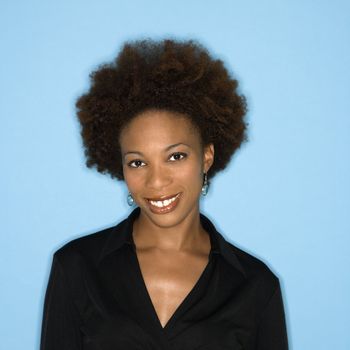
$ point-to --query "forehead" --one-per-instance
(159, 127)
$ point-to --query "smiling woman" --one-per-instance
(164, 118)
(170, 168)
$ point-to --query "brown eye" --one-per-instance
(178, 156)
(135, 163)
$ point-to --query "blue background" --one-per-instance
(284, 197)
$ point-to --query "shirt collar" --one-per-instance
(122, 234)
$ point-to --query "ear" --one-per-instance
(208, 157)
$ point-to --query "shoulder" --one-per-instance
(258, 273)
(253, 265)
(86, 248)
(253, 268)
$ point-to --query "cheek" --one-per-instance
(189, 175)
(133, 180)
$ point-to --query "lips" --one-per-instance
(163, 204)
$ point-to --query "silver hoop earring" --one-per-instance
(130, 200)
(205, 186)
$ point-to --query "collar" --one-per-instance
(121, 234)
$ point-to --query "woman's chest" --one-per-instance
(118, 311)
(169, 279)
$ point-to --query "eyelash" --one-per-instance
(184, 155)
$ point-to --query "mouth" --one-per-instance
(164, 204)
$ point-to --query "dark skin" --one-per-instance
(162, 156)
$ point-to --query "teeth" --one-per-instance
(164, 203)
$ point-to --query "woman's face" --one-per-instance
(163, 159)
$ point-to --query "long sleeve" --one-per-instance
(60, 323)
(272, 333)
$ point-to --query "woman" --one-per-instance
(165, 117)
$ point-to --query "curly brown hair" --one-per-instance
(173, 75)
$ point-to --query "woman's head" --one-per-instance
(163, 164)
(167, 75)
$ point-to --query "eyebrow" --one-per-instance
(165, 150)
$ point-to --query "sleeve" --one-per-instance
(60, 322)
(272, 333)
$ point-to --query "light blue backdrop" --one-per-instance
(286, 193)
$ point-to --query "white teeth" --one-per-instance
(164, 203)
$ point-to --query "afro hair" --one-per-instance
(172, 75)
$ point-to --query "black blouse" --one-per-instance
(96, 299)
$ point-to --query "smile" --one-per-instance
(163, 206)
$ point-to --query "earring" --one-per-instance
(130, 200)
(205, 186)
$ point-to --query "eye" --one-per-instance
(135, 163)
(178, 156)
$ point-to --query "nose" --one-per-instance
(158, 178)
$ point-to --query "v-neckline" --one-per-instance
(187, 299)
